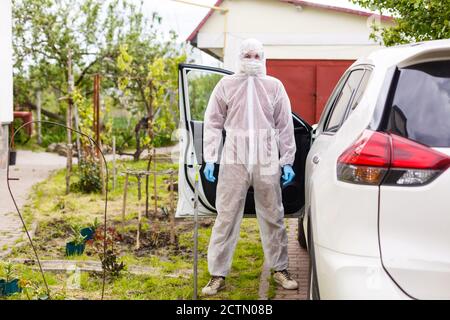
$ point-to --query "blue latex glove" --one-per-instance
(209, 172)
(288, 175)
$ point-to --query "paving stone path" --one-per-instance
(298, 266)
(31, 168)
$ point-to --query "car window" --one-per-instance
(420, 107)
(201, 84)
(359, 93)
(343, 99)
(329, 105)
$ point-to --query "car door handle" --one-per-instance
(316, 159)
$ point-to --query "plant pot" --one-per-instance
(12, 157)
(2, 287)
(87, 233)
(73, 249)
(9, 288)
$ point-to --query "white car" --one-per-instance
(372, 190)
(377, 209)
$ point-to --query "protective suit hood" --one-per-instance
(252, 61)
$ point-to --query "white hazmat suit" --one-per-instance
(255, 112)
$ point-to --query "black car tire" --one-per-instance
(313, 288)
(301, 234)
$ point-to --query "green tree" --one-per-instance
(47, 32)
(60, 45)
(96, 35)
(415, 20)
(148, 80)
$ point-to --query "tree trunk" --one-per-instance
(46, 113)
(39, 118)
(69, 124)
(141, 125)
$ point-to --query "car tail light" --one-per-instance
(379, 158)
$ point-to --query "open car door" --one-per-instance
(196, 84)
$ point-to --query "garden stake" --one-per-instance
(196, 232)
(147, 182)
(102, 176)
(114, 182)
(172, 211)
(9, 179)
(124, 206)
(138, 234)
(155, 191)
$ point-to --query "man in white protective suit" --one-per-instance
(259, 151)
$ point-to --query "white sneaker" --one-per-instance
(284, 279)
(214, 286)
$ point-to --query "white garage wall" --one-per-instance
(6, 73)
(287, 31)
(6, 79)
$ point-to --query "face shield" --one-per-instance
(252, 61)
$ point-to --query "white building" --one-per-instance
(308, 45)
(6, 78)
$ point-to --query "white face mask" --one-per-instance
(252, 67)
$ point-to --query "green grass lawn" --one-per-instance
(172, 278)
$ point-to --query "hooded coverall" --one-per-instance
(255, 111)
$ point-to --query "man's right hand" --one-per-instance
(209, 172)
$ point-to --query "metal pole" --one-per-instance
(97, 128)
(196, 233)
(172, 210)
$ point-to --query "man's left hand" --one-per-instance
(288, 175)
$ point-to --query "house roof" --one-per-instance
(193, 35)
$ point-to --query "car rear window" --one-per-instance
(419, 108)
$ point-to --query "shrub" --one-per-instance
(90, 178)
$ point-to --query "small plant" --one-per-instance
(94, 226)
(33, 291)
(9, 285)
(77, 244)
(109, 261)
(112, 236)
(9, 272)
(90, 178)
(111, 265)
(77, 237)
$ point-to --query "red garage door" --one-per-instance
(309, 83)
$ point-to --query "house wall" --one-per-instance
(308, 49)
(6, 75)
(6, 79)
(286, 31)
